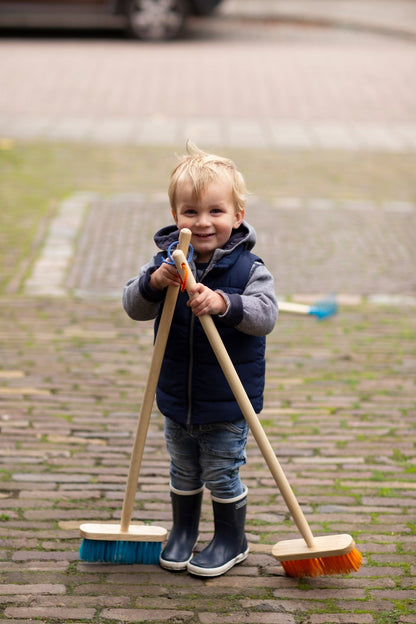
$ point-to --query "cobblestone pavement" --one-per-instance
(351, 248)
(339, 411)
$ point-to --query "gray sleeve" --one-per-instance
(140, 301)
(255, 310)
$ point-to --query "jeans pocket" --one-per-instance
(226, 440)
(237, 427)
(173, 431)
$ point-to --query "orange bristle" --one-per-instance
(303, 567)
(339, 564)
(342, 564)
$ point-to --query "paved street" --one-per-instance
(231, 82)
(339, 411)
(340, 394)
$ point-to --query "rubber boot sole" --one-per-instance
(176, 566)
(198, 571)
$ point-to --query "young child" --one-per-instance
(205, 431)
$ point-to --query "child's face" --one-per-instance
(211, 218)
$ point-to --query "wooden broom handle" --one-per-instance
(246, 406)
(150, 390)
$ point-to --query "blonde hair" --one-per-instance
(201, 168)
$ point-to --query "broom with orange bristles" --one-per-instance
(135, 543)
(310, 556)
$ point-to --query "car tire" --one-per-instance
(157, 20)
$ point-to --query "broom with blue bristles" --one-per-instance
(322, 309)
(125, 542)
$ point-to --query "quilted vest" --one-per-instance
(192, 388)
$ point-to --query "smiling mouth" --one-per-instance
(203, 235)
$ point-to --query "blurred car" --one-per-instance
(155, 20)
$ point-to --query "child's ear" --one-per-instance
(238, 218)
(174, 215)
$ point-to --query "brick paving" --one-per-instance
(339, 410)
(334, 244)
(349, 248)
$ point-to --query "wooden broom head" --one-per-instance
(331, 554)
(113, 532)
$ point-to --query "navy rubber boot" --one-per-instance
(229, 544)
(186, 511)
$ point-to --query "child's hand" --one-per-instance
(166, 275)
(206, 301)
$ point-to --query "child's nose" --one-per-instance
(203, 219)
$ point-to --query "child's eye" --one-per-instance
(216, 211)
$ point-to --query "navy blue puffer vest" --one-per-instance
(192, 388)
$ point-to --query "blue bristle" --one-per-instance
(106, 551)
(324, 308)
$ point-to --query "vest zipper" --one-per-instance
(191, 363)
(191, 352)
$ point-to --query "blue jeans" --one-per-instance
(208, 455)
